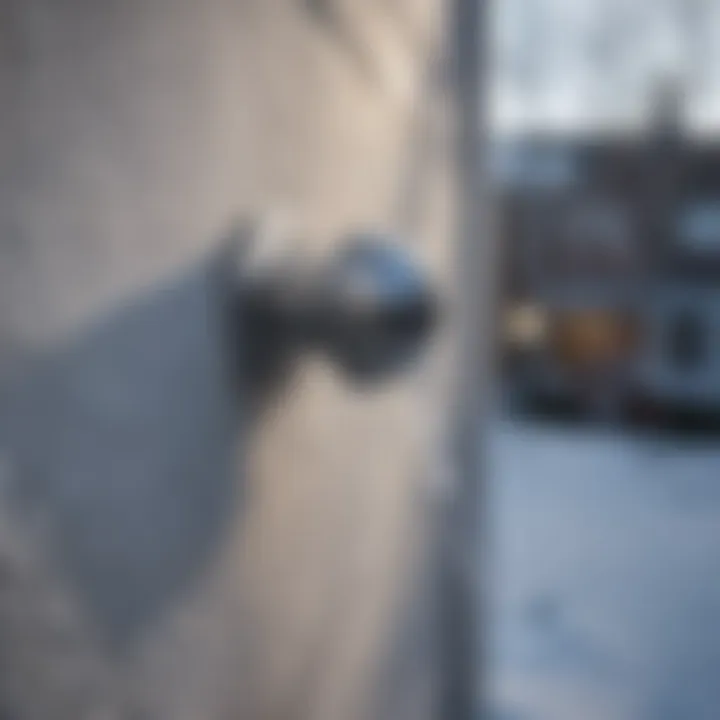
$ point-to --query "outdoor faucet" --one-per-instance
(369, 307)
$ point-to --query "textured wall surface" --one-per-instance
(195, 575)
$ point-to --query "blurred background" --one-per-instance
(605, 457)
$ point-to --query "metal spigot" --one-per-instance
(370, 308)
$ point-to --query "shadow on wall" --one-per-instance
(125, 440)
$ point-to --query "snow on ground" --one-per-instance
(606, 576)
